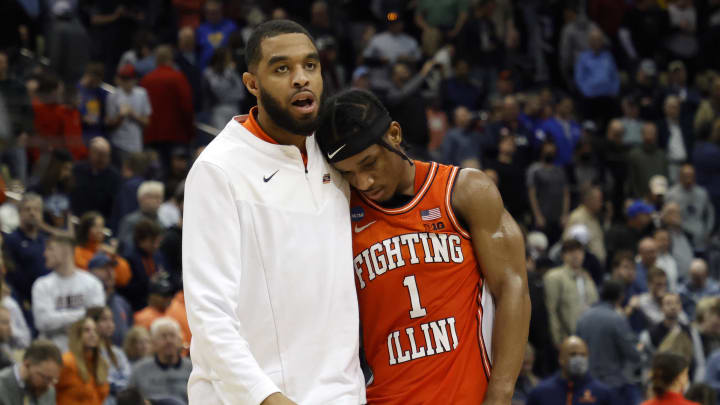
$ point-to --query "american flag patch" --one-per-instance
(430, 215)
(326, 178)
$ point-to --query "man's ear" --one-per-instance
(251, 83)
(394, 134)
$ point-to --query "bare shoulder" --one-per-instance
(475, 197)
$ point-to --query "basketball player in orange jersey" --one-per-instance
(439, 264)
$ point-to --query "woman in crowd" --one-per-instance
(137, 344)
(669, 379)
(91, 240)
(118, 364)
(84, 376)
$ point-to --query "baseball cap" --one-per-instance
(589, 126)
(580, 233)
(62, 8)
(648, 66)
(100, 260)
(160, 287)
(127, 71)
(676, 65)
(639, 207)
(658, 184)
(360, 71)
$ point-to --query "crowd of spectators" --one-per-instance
(599, 120)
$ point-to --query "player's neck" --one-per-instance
(406, 186)
(280, 135)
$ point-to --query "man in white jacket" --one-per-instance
(267, 250)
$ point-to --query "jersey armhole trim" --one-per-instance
(486, 363)
(448, 204)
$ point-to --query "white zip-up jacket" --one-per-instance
(268, 279)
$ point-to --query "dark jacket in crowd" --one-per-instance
(94, 191)
(143, 267)
(126, 201)
(29, 263)
(585, 391)
(611, 344)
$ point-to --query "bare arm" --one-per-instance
(459, 23)
(420, 21)
(499, 247)
(539, 219)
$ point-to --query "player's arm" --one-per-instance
(213, 273)
(500, 250)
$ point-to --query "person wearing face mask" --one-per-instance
(669, 380)
(573, 384)
(547, 186)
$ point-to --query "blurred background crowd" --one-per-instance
(599, 120)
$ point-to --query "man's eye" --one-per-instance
(310, 66)
(282, 69)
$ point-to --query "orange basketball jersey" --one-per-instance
(426, 316)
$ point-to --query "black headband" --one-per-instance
(359, 140)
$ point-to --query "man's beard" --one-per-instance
(285, 120)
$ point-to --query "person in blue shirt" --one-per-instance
(572, 385)
(596, 74)
(212, 34)
(92, 102)
(564, 131)
(26, 248)
(597, 79)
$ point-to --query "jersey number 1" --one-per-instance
(417, 310)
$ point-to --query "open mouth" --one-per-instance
(304, 102)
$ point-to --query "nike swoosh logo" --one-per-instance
(332, 155)
(359, 229)
(266, 179)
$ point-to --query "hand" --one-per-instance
(427, 67)
(125, 110)
(108, 249)
(277, 399)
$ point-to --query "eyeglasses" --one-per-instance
(46, 378)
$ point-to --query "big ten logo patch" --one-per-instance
(435, 226)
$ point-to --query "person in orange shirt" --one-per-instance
(84, 376)
(90, 238)
(158, 302)
(669, 379)
(177, 312)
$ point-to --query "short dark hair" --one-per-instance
(570, 245)
(620, 256)
(137, 162)
(43, 350)
(666, 367)
(611, 291)
(146, 228)
(269, 29)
